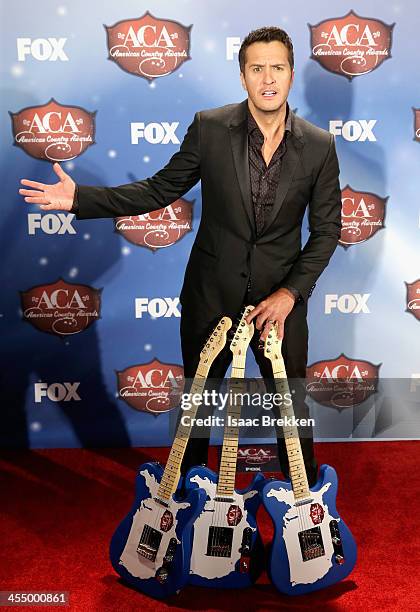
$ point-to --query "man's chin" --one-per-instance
(271, 106)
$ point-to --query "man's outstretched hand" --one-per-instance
(273, 309)
(51, 197)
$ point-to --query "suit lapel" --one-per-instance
(239, 143)
(287, 169)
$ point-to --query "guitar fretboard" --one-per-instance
(294, 450)
(227, 469)
(170, 477)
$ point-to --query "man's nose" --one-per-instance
(268, 76)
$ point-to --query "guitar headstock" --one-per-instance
(243, 334)
(272, 345)
(217, 340)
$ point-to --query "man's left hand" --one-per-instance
(273, 309)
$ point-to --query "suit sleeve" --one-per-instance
(324, 226)
(179, 175)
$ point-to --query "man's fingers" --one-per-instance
(261, 320)
(31, 192)
(265, 330)
(254, 313)
(59, 171)
(33, 184)
(280, 330)
(49, 207)
(36, 200)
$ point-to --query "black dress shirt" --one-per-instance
(264, 179)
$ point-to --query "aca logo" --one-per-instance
(151, 387)
(362, 215)
(148, 47)
(351, 45)
(341, 382)
(61, 308)
(416, 112)
(157, 229)
(257, 458)
(413, 298)
(42, 49)
(52, 131)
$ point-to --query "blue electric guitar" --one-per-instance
(151, 548)
(312, 547)
(227, 549)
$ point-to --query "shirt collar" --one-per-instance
(253, 125)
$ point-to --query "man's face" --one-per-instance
(267, 69)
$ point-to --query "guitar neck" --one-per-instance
(170, 477)
(227, 470)
(297, 469)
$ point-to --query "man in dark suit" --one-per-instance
(260, 166)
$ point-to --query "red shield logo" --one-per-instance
(157, 229)
(234, 515)
(342, 382)
(413, 298)
(362, 215)
(61, 308)
(351, 45)
(416, 112)
(255, 455)
(151, 387)
(148, 47)
(53, 132)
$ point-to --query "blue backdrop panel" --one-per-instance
(62, 384)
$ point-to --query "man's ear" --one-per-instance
(293, 77)
(243, 80)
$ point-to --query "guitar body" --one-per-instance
(151, 547)
(227, 549)
(312, 530)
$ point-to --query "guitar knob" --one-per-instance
(339, 559)
(162, 575)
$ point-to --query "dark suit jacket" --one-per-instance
(226, 252)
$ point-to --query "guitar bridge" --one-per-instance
(311, 543)
(149, 543)
(219, 543)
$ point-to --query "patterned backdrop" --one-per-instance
(89, 309)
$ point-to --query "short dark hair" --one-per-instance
(266, 34)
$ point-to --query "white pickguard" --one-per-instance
(149, 513)
(305, 572)
(216, 567)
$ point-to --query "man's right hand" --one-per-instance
(51, 197)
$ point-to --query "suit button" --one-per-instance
(244, 274)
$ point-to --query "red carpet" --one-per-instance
(59, 509)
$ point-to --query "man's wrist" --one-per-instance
(294, 293)
(75, 207)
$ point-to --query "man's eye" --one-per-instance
(256, 69)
